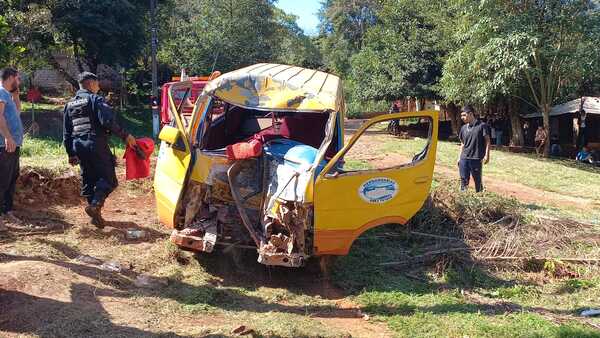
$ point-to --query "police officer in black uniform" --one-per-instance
(88, 123)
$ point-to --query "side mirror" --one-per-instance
(169, 134)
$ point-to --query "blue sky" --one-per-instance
(306, 11)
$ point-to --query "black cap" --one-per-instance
(467, 109)
(86, 76)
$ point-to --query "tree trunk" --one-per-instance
(546, 119)
(411, 105)
(454, 113)
(77, 58)
(516, 138)
(92, 63)
(576, 132)
(59, 68)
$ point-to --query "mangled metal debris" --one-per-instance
(201, 236)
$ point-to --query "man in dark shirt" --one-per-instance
(88, 123)
(474, 148)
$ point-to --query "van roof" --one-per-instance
(268, 86)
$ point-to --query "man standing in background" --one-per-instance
(540, 139)
(11, 140)
(474, 148)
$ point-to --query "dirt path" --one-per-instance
(519, 191)
(524, 193)
(48, 290)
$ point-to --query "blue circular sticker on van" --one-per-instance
(378, 190)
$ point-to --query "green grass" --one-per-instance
(26, 107)
(44, 152)
(473, 324)
(351, 165)
(562, 176)
(591, 215)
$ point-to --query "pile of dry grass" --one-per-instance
(499, 230)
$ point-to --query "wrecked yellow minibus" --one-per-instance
(259, 161)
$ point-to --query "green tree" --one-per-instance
(226, 34)
(344, 24)
(93, 31)
(547, 45)
(402, 54)
(4, 44)
(292, 45)
(101, 31)
(24, 28)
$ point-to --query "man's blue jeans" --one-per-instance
(498, 137)
(468, 168)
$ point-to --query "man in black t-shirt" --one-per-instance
(474, 148)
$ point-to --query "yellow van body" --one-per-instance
(321, 209)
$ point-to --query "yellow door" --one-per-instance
(174, 154)
(382, 175)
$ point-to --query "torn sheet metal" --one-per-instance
(201, 237)
(249, 178)
(194, 203)
(279, 242)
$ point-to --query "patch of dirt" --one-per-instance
(357, 326)
(72, 299)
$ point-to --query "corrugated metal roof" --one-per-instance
(279, 87)
(591, 105)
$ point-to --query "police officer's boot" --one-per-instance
(94, 210)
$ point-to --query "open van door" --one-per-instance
(174, 156)
(383, 175)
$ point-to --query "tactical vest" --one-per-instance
(80, 112)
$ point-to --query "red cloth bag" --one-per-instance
(136, 167)
(244, 150)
